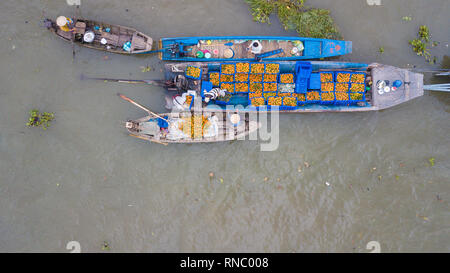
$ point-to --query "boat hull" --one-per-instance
(374, 99)
(313, 48)
(115, 38)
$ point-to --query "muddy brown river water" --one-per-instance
(336, 182)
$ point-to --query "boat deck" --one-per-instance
(411, 88)
(241, 49)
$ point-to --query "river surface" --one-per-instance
(336, 182)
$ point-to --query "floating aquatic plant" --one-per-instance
(421, 43)
(294, 15)
(38, 119)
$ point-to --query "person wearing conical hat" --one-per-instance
(64, 23)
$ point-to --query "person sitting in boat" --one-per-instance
(65, 24)
(214, 94)
(255, 47)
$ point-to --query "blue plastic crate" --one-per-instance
(356, 101)
(314, 81)
(234, 87)
(312, 101)
(209, 75)
(192, 101)
(342, 102)
(327, 102)
(336, 73)
(326, 72)
(191, 77)
(363, 73)
(206, 86)
(256, 107)
(303, 72)
(271, 107)
(243, 63)
(303, 69)
(265, 68)
(334, 87)
(285, 107)
(350, 87)
(241, 92)
(301, 103)
(264, 77)
(226, 75)
(264, 90)
(223, 102)
(293, 78)
(235, 78)
(232, 64)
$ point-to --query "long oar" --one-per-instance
(444, 87)
(149, 139)
(152, 82)
(140, 106)
(73, 38)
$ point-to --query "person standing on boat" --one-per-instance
(214, 94)
(255, 47)
(65, 24)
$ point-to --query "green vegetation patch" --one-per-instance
(38, 119)
(294, 15)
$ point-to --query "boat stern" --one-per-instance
(332, 48)
(386, 94)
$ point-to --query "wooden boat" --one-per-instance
(380, 87)
(115, 36)
(292, 48)
(191, 127)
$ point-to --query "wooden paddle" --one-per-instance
(149, 139)
(140, 106)
(152, 82)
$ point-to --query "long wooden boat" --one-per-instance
(114, 36)
(310, 86)
(192, 127)
(292, 48)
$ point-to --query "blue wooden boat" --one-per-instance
(316, 86)
(243, 48)
(114, 37)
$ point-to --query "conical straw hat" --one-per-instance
(228, 53)
(61, 21)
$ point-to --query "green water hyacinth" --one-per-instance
(294, 15)
(38, 119)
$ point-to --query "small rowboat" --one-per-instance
(107, 37)
(239, 48)
(191, 127)
(312, 86)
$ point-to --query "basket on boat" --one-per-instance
(243, 67)
(257, 68)
(342, 98)
(326, 76)
(241, 77)
(227, 86)
(327, 98)
(228, 68)
(272, 68)
(292, 106)
(270, 78)
(256, 103)
(214, 78)
(241, 87)
(226, 78)
(342, 76)
(312, 97)
(193, 72)
(356, 97)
